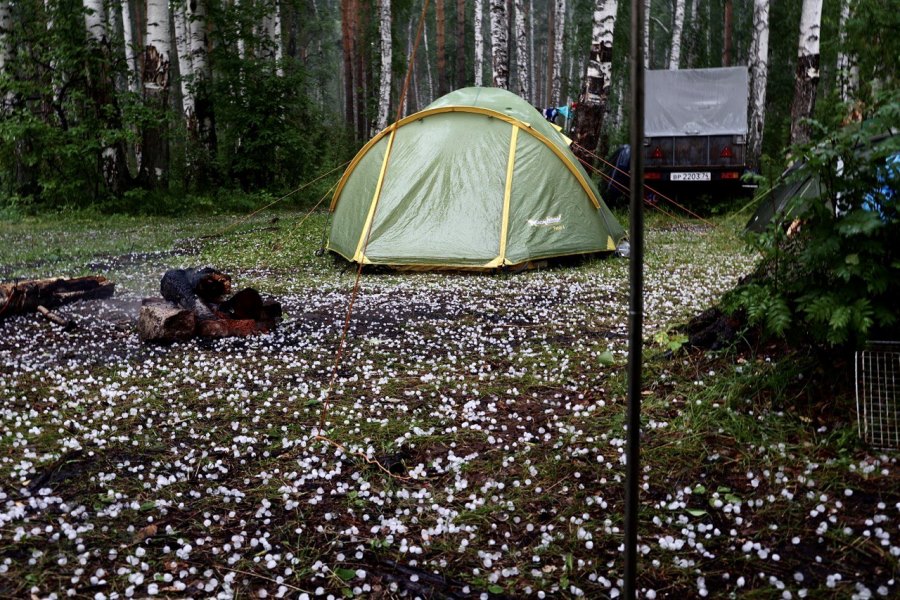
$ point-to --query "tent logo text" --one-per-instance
(545, 222)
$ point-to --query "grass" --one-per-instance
(496, 402)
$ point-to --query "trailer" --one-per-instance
(695, 126)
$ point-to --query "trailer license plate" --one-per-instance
(696, 176)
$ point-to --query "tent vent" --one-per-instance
(878, 394)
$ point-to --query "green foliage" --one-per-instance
(836, 279)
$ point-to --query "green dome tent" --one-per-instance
(477, 180)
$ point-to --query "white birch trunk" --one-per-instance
(155, 82)
(499, 44)
(241, 44)
(95, 20)
(197, 27)
(559, 30)
(599, 70)
(479, 43)
(807, 70)
(384, 89)
(646, 39)
(759, 73)
(522, 51)
(271, 27)
(531, 80)
(428, 78)
(185, 62)
(677, 28)
(847, 71)
(5, 50)
(5, 23)
(128, 25)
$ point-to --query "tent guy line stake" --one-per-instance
(342, 343)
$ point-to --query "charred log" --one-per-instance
(25, 296)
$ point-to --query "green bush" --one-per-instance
(836, 278)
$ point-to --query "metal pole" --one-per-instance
(636, 305)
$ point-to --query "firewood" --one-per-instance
(25, 296)
(55, 318)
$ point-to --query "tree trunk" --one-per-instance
(5, 50)
(727, 33)
(129, 30)
(847, 71)
(677, 28)
(428, 78)
(807, 70)
(499, 45)
(26, 296)
(384, 90)
(441, 48)
(759, 73)
(559, 30)
(347, 45)
(185, 63)
(155, 80)
(550, 68)
(522, 52)
(359, 76)
(594, 101)
(531, 56)
(479, 43)
(460, 43)
(95, 20)
(646, 34)
(693, 39)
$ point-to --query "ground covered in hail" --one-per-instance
(472, 446)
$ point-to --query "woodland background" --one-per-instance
(161, 107)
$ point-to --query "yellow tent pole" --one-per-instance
(466, 109)
(507, 192)
(364, 236)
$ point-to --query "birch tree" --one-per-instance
(131, 42)
(559, 30)
(185, 59)
(384, 89)
(531, 80)
(479, 42)
(646, 40)
(95, 20)
(594, 103)
(677, 28)
(522, 51)
(759, 72)
(155, 82)
(807, 77)
(5, 49)
(847, 71)
(499, 44)
(270, 29)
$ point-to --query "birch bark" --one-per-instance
(847, 71)
(95, 20)
(531, 55)
(499, 44)
(5, 23)
(155, 81)
(807, 78)
(185, 62)
(559, 30)
(522, 51)
(594, 102)
(646, 39)
(759, 72)
(479, 43)
(131, 42)
(677, 28)
(384, 89)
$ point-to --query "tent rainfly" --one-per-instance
(477, 180)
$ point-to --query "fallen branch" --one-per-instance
(55, 318)
(25, 296)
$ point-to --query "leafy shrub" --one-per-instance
(836, 278)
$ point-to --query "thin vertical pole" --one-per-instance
(636, 306)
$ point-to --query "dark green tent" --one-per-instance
(477, 180)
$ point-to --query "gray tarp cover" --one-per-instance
(696, 102)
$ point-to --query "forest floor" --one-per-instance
(473, 446)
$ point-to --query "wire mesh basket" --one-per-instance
(878, 394)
